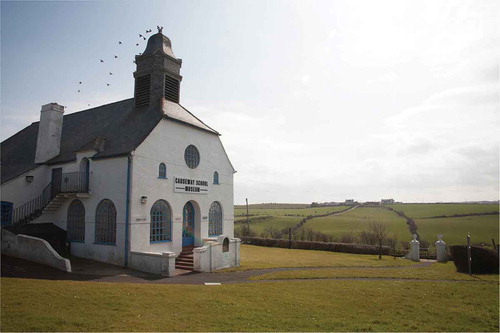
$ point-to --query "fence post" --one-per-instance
(469, 254)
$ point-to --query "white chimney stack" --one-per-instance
(48, 144)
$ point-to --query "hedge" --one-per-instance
(322, 246)
(483, 261)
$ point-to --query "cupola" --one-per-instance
(157, 75)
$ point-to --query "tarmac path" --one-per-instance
(93, 271)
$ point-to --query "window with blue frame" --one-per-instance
(162, 172)
(215, 219)
(216, 178)
(105, 222)
(76, 221)
(6, 211)
(161, 222)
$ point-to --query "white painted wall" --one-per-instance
(167, 144)
(108, 180)
(19, 191)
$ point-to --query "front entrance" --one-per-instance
(188, 225)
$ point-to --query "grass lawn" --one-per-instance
(454, 229)
(259, 257)
(358, 219)
(429, 210)
(309, 305)
(436, 271)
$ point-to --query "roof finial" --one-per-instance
(160, 29)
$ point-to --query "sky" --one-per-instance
(316, 100)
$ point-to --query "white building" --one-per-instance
(140, 182)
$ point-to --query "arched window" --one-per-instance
(105, 222)
(162, 173)
(215, 219)
(216, 177)
(161, 222)
(76, 221)
(192, 156)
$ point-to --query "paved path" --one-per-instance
(89, 270)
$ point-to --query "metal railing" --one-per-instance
(72, 182)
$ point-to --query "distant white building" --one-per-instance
(387, 201)
(349, 202)
(140, 182)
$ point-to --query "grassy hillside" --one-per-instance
(272, 206)
(430, 210)
(357, 220)
(454, 229)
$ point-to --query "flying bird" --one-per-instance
(89, 104)
(119, 42)
(110, 73)
(102, 60)
(137, 44)
(116, 57)
(140, 35)
(80, 82)
(107, 84)
(144, 38)
(78, 90)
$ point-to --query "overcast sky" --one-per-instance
(315, 100)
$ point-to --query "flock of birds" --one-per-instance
(142, 37)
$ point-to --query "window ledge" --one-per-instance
(102, 243)
(163, 241)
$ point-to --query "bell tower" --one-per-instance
(157, 76)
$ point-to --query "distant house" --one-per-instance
(349, 202)
(387, 201)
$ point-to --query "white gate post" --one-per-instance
(441, 254)
(414, 249)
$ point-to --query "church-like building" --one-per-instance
(141, 182)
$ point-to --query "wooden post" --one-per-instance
(248, 219)
(495, 247)
(469, 254)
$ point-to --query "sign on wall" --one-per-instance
(187, 185)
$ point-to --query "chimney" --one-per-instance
(48, 143)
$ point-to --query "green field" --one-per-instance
(276, 222)
(482, 227)
(454, 229)
(430, 210)
(241, 212)
(357, 220)
(272, 206)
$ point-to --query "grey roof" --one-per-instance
(178, 112)
(112, 130)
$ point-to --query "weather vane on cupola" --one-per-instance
(160, 29)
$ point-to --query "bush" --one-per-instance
(323, 246)
(484, 261)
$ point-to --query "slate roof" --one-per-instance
(113, 130)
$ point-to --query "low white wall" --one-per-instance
(156, 263)
(33, 249)
(210, 257)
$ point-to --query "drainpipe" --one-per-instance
(127, 210)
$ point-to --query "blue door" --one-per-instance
(188, 225)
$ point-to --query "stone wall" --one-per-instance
(33, 249)
(216, 254)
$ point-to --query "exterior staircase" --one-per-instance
(50, 200)
(185, 259)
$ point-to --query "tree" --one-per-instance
(379, 232)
